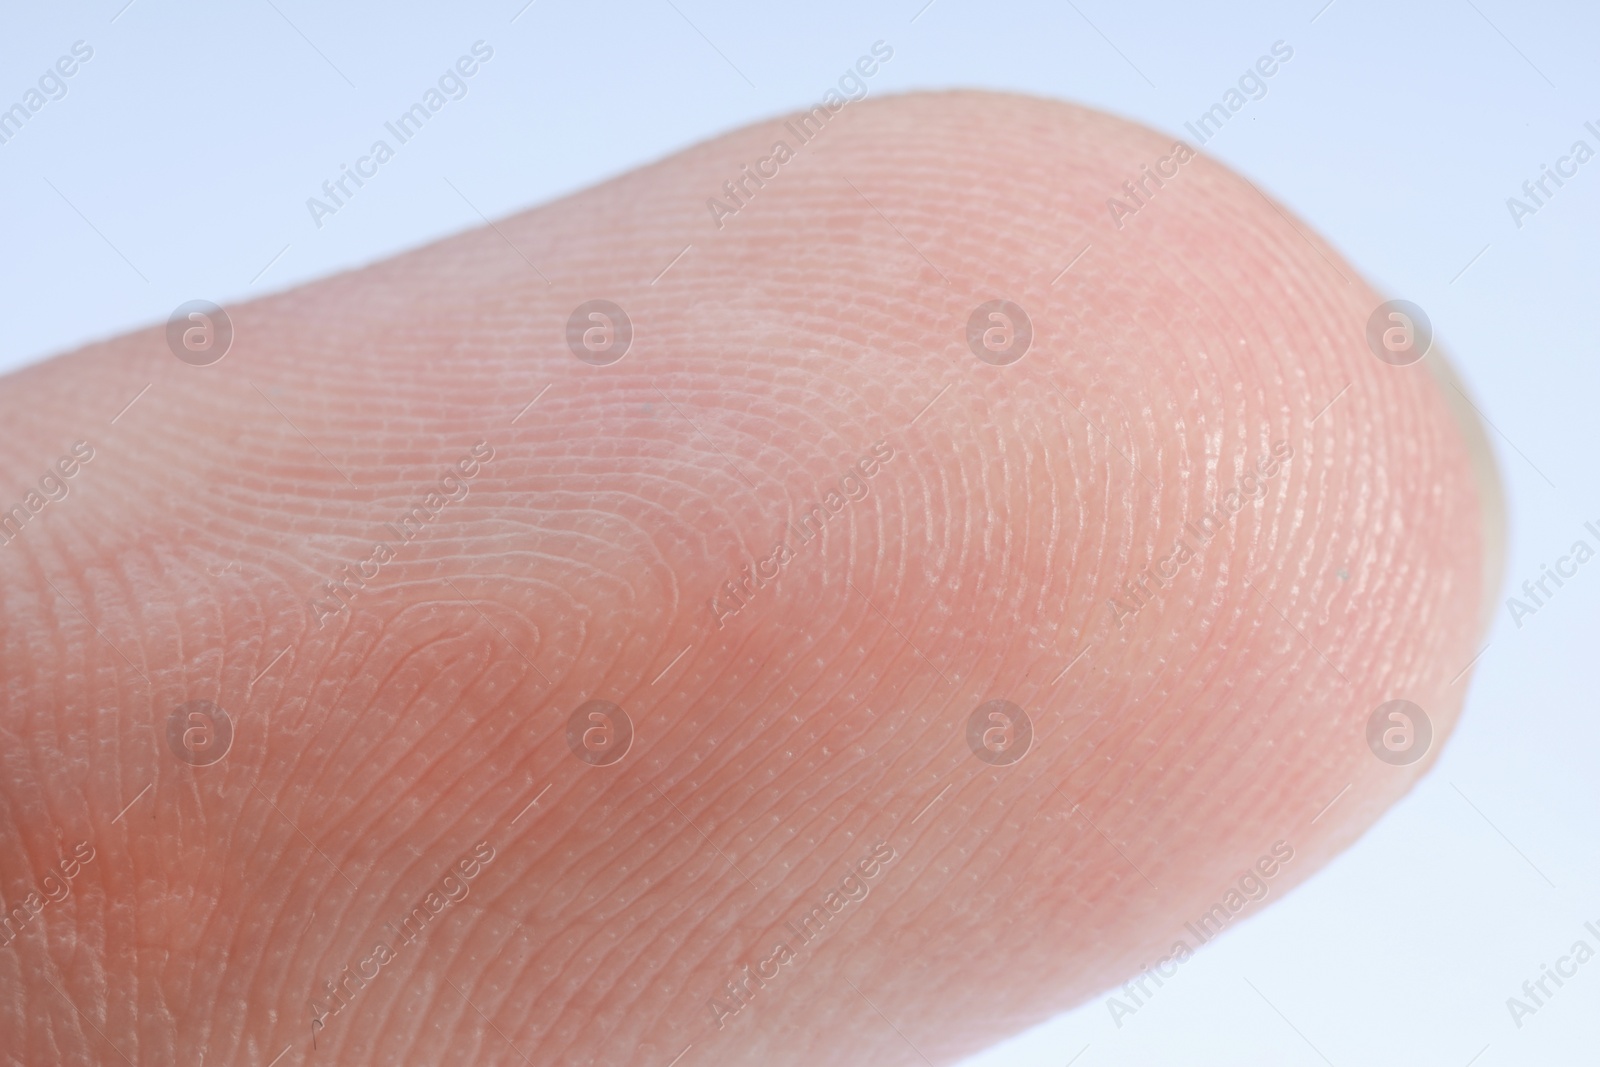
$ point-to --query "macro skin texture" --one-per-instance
(800, 744)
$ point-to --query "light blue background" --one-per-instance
(188, 145)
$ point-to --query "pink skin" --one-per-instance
(994, 514)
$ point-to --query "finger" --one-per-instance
(798, 538)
